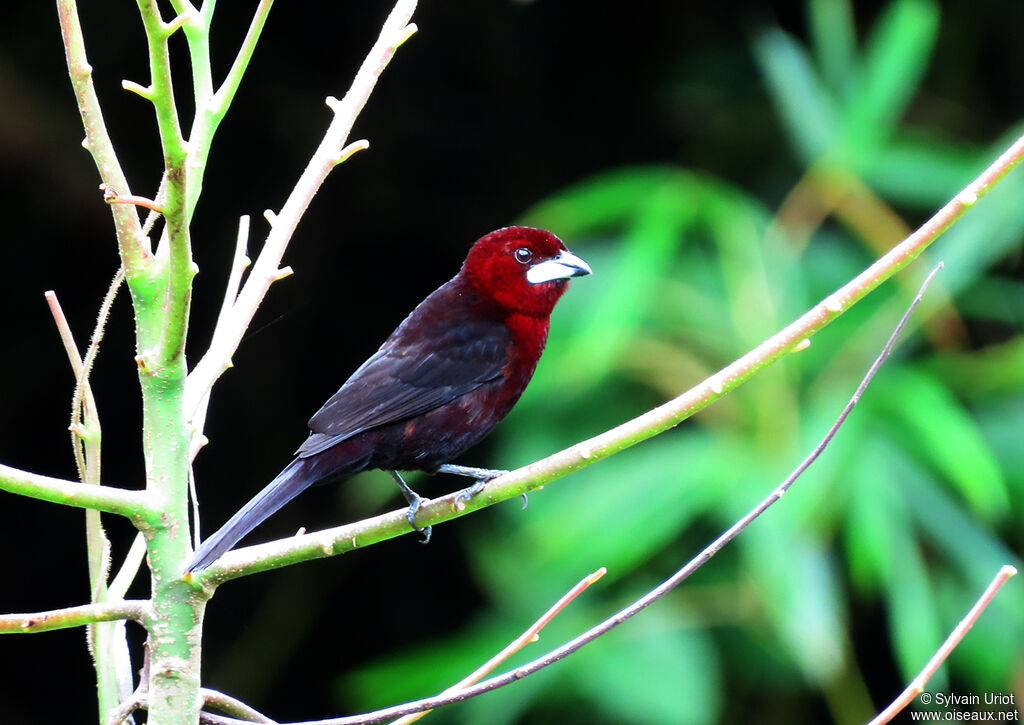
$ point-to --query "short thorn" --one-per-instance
(333, 103)
(78, 429)
(139, 90)
(967, 197)
(802, 345)
(409, 31)
(172, 27)
(354, 147)
(111, 196)
(270, 216)
(282, 273)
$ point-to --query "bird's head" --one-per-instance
(523, 269)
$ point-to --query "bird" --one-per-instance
(447, 375)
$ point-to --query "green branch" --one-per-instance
(792, 338)
(176, 254)
(134, 505)
(132, 243)
(71, 617)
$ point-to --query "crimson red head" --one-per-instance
(524, 269)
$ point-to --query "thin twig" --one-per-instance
(85, 369)
(530, 635)
(222, 98)
(229, 330)
(75, 359)
(126, 708)
(918, 683)
(129, 568)
(233, 707)
(71, 617)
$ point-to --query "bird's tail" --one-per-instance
(289, 483)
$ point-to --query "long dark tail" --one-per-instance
(289, 483)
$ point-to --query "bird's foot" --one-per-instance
(414, 500)
(482, 476)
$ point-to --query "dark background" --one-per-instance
(488, 108)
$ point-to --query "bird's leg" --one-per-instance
(481, 476)
(414, 500)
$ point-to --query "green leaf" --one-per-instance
(805, 106)
(651, 240)
(894, 60)
(801, 592)
(653, 669)
(606, 200)
(835, 41)
(922, 170)
(616, 515)
(937, 429)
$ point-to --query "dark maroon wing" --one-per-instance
(437, 355)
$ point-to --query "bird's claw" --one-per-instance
(410, 516)
(463, 496)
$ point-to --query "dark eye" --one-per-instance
(523, 255)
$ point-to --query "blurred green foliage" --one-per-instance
(886, 541)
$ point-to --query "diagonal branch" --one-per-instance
(532, 634)
(652, 596)
(224, 95)
(917, 685)
(792, 338)
(72, 617)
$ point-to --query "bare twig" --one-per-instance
(918, 683)
(129, 568)
(84, 396)
(233, 707)
(230, 329)
(120, 713)
(226, 92)
(133, 244)
(530, 635)
(71, 617)
(85, 369)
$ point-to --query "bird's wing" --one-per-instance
(412, 373)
